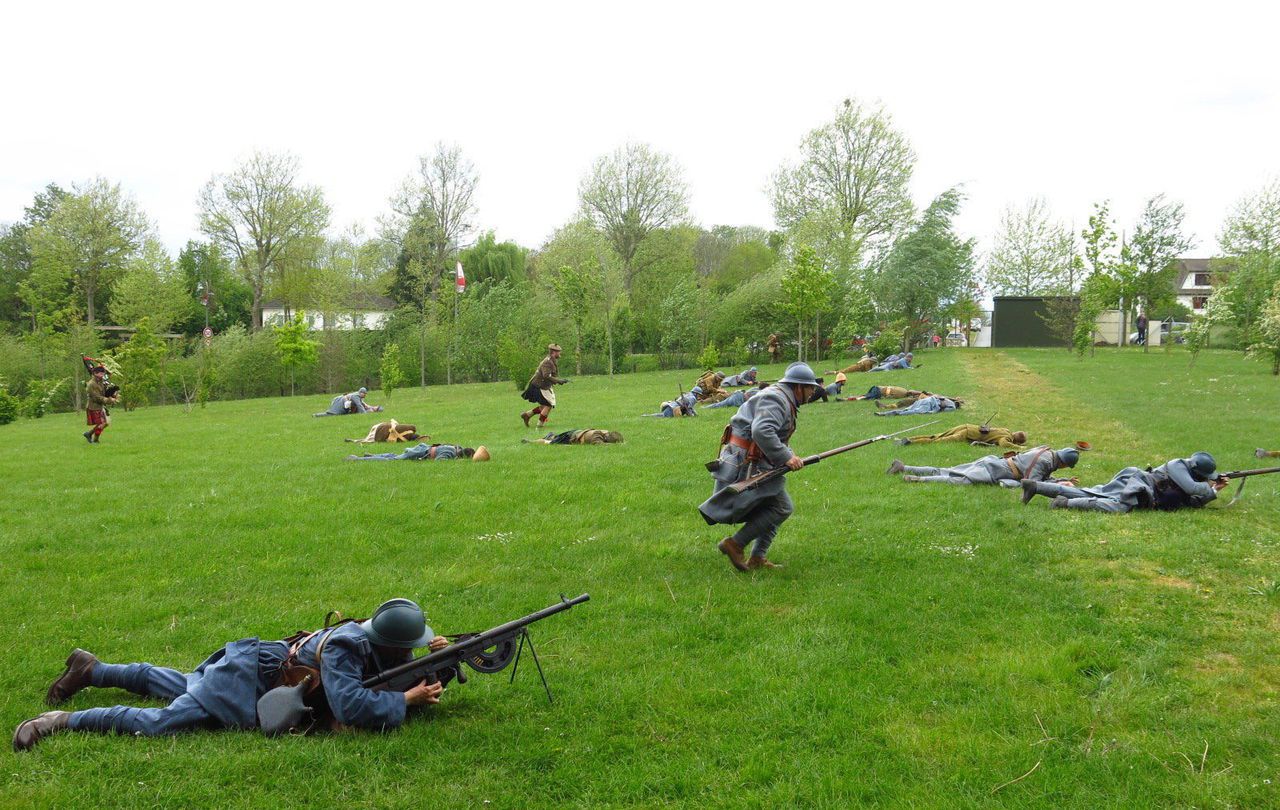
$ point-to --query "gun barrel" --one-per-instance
(461, 649)
(1247, 473)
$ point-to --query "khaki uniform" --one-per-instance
(391, 432)
(865, 364)
(1000, 437)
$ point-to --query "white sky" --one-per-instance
(1071, 101)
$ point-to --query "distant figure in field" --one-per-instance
(345, 404)
(1260, 453)
(588, 436)
(867, 363)
(1141, 323)
(1036, 464)
(96, 415)
(774, 347)
(1176, 484)
(937, 340)
(924, 405)
(977, 435)
(223, 692)
(738, 397)
(428, 452)
(539, 390)
(742, 378)
(391, 432)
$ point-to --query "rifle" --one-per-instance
(765, 477)
(486, 652)
(282, 709)
(984, 425)
(1244, 475)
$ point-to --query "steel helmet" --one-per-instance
(840, 377)
(398, 623)
(697, 389)
(800, 374)
(1069, 456)
(1202, 465)
(482, 454)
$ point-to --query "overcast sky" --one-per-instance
(1072, 101)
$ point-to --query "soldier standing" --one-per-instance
(774, 348)
(539, 391)
(755, 441)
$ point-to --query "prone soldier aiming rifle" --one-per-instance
(294, 704)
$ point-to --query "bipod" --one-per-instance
(515, 666)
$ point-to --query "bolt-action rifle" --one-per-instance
(1244, 475)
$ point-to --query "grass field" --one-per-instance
(924, 645)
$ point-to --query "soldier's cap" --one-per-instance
(697, 389)
(554, 347)
(1083, 446)
(482, 454)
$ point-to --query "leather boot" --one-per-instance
(911, 479)
(761, 562)
(525, 416)
(733, 550)
(896, 467)
(88, 436)
(76, 676)
(1059, 502)
(1028, 491)
(34, 730)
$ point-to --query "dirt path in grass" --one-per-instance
(1024, 400)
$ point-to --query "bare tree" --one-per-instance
(431, 214)
(1032, 254)
(629, 194)
(849, 190)
(258, 212)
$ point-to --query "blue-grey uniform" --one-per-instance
(344, 404)
(747, 377)
(1036, 464)
(419, 452)
(765, 422)
(894, 362)
(930, 404)
(223, 691)
(1169, 486)
(733, 400)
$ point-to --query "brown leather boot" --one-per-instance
(525, 417)
(761, 562)
(733, 550)
(896, 467)
(75, 677)
(34, 730)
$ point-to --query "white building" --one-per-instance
(1194, 284)
(361, 312)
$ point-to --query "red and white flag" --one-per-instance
(461, 279)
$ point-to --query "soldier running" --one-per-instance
(755, 441)
(1178, 483)
(539, 390)
(1036, 464)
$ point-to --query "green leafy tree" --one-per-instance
(1147, 270)
(15, 254)
(296, 349)
(151, 288)
(1267, 345)
(710, 357)
(257, 213)
(86, 244)
(580, 247)
(927, 269)
(489, 260)
(218, 296)
(1033, 253)
(576, 289)
(630, 193)
(807, 287)
(392, 375)
(964, 311)
(139, 363)
(1096, 294)
(849, 190)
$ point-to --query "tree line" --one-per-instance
(628, 281)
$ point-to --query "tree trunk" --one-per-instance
(577, 349)
(422, 348)
(88, 304)
(257, 307)
(608, 336)
(799, 340)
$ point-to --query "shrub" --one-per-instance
(8, 406)
(710, 357)
(885, 344)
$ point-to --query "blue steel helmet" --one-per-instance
(362, 391)
(697, 389)
(1202, 466)
(1069, 456)
(398, 623)
(800, 374)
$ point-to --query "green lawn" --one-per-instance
(923, 646)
